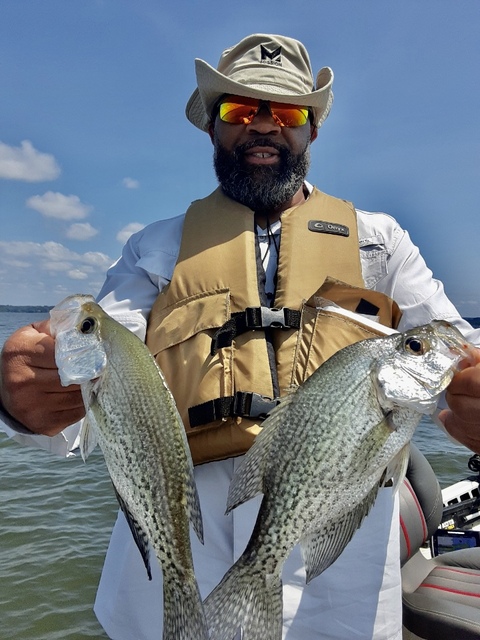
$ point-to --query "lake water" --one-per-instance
(56, 516)
(55, 521)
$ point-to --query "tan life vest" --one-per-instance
(216, 276)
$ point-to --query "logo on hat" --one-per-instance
(271, 57)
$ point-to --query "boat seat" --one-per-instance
(441, 595)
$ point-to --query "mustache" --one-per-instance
(261, 142)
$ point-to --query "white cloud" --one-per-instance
(56, 205)
(53, 267)
(32, 250)
(51, 256)
(81, 231)
(44, 273)
(124, 234)
(18, 264)
(96, 259)
(130, 183)
(77, 274)
(55, 251)
(26, 163)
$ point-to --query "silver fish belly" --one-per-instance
(320, 460)
(131, 414)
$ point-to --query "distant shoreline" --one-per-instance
(12, 308)
(31, 308)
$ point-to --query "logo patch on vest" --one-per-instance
(321, 226)
(271, 57)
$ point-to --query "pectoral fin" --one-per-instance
(88, 438)
(89, 430)
(397, 468)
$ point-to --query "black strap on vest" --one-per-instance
(243, 404)
(254, 318)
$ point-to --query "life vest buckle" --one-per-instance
(253, 405)
(252, 319)
(244, 404)
(274, 318)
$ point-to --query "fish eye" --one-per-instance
(416, 346)
(88, 325)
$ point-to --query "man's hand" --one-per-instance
(30, 388)
(462, 419)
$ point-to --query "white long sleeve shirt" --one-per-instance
(128, 606)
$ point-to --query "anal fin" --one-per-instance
(321, 548)
(139, 535)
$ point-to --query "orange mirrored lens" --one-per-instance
(235, 111)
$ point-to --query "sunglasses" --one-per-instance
(238, 110)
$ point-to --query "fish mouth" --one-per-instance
(79, 356)
(463, 353)
(78, 361)
(426, 362)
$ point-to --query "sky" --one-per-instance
(94, 142)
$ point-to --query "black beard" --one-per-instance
(261, 188)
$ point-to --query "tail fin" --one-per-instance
(245, 599)
(184, 616)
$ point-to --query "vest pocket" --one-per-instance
(323, 332)
(179, 322)
(180, 337)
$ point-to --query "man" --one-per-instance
(265, 239)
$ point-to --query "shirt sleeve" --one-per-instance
(393, 264)
(64, 444)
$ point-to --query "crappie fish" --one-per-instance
(320, 460)
(131, 414)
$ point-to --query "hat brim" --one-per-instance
(212, 84)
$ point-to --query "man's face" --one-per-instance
(261, 164)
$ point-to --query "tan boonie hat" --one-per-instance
(261, 66)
